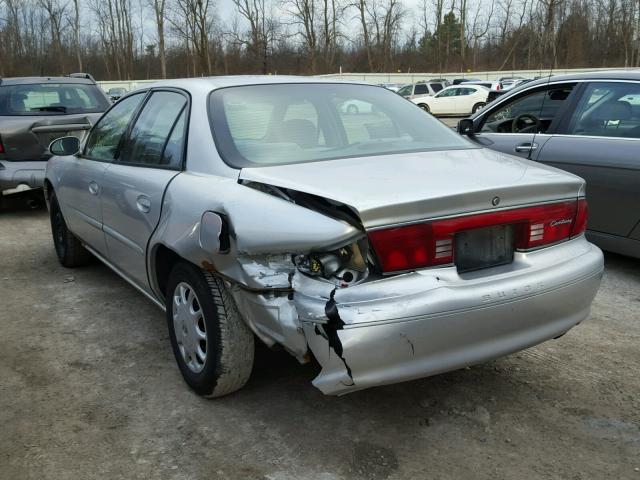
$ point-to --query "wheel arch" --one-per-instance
(163, 259)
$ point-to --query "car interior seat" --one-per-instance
(297, 130)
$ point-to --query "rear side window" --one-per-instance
(436, 87)
(51, 99)
(104, 139)
(150, 134)
(421, 88)
(608, 109)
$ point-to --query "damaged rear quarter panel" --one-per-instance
(259, 225)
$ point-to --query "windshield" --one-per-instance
(51, 99)
(261, 125)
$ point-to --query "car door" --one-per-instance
(464, 100)
(521, 124)
(134, 184)
(600, 142)
(444, 102)
(81, 188)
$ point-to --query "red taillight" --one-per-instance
(1, 146)
(499, 87)
(432, 243)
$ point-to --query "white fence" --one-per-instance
(402, 77)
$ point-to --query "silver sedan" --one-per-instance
(383, 244)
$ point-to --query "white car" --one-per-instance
(454, 100)
(354, 107)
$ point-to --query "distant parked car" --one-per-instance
(34, 111)
(454, 100)
(587, 124)
(420, 89)
(116, 92)
(388, 249)
(488, 84)
(394, 87)
(354, 107)
(458, 81)
(443, 81)
(504, 87)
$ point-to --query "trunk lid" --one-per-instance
(391, 189)
(27, 137)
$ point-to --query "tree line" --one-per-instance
(136, 39)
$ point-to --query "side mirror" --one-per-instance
(65, 146)
(466, 127)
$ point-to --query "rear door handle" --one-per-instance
(526, 147)
(94, 189)
(143, 204)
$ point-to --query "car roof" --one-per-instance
(599, 75)
(213, 83)
(34, 80)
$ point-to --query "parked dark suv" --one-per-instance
(34, 111)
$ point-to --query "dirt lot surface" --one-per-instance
(89, 390)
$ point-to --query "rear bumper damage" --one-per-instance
(21, 176)
(423, 323)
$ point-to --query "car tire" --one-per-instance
(70, 251)
(424, 107)
(352, 109)
(203, 319)
(477, 107)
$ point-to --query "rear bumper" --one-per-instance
(19, 176)
(428, 322)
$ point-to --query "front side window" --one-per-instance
(448, 92)
(608, 110)
(262, 125)
(105, 138)
(406, 90)
(151, 131)
(532, 112)
(51, 99)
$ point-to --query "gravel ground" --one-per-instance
(89, 390)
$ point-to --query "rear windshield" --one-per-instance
(276, 124)
(51, 99)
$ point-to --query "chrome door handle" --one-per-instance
(526, 147)
(143, 204)
(94, 189)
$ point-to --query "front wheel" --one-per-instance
(424, 107)
(211, 343)
(352, 109)
(68, 247)
(477, 107)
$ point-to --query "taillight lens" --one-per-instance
(432, 243)
(1, 146)
(580, 224)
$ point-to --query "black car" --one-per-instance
(458, 81)
(587, 124)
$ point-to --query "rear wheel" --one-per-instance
(69, 249)
(352, 109)
(211, 343)
(477, 107)
(424, 107)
